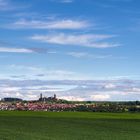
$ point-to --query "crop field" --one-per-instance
(69, 126)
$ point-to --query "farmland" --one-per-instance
(27, 125)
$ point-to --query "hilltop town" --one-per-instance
(55, 104)
(41, 99)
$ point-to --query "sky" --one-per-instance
(78, 49)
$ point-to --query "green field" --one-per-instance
(69, 126)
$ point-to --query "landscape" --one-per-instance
(56, 119)
(69, 69)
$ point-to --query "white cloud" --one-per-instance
(31, 97)
(57, 24)
(15, 50)
(32, 72)
(78, 54)
(71, 98)
(87, 55)
(63, 1)
(87, 40)
(19, 95)
(134, 90)
(100, 97)
(25, 68)
(110, 86)
(9, 89)
(11, 49)
(71, 89)
(39, 70)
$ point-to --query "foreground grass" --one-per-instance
(69, 126)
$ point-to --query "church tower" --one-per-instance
(40, 97)
(54, 96)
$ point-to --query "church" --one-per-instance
(45, 99)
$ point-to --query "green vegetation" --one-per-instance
(69, 126)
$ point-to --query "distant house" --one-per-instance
(9, 99)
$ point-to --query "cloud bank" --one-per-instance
(87, 40)
(80, 90)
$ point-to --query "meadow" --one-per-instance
(27, 125)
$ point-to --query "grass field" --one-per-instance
(69, 126)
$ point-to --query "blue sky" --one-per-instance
(95, 42)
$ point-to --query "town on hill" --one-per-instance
(55, 104)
